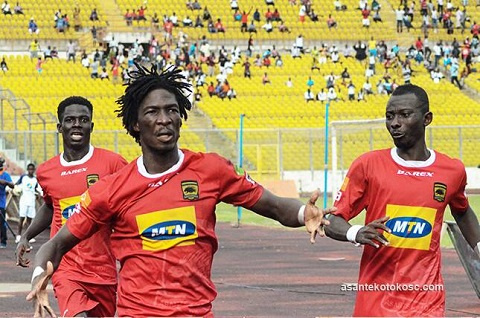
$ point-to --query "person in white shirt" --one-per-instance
(322, 96)
(174, 19)
(187, 22)
(351, 91)
(268, 26)
(299, 42)
(6, 8)
(332, 94)
(28, 186)
(399, 15)
(309, 96)
(367, 87)
(289, 83)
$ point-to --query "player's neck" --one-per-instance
(156, 162)
(72, 154)
(420, 153)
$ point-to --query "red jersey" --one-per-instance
(164, 230)
(63, 183)
(414, 194)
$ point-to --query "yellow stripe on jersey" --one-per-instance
(412, 226)
(161, 230)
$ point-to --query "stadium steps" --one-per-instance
(114, 16)
(216, 141)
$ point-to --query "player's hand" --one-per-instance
(39, 293)
(372, 233)
(22, 247)
(314, 217)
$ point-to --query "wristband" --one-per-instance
(37, 272)
(301, 215)
(352, 233)
(477, 249)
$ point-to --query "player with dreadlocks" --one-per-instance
(161, 208)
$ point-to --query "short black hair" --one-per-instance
(73, 100)
(142, 82)
(420, 94)
(31, 165)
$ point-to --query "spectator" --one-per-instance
(366, 17)
(283, 28)
(361, 95)
(187, 22)
(47, 53)
(104, 74)
(251, 28)
(309, 95)
(246, 68)
(367, 87)
(33, 27)
(71, 51)
(436, 75)
(155, 22)
(54, 52)
(94, 69)
(3, 65)
(338, 6)
(377, 17)
(322, 96)
(38, 65)
(332, 94)
(347, 52)
(256, 15)
(141, 14)
(237, 16)
(198, 22)
(345, 75)
(313, 16)
(196, 5)
(296, 52)
(128, 16)
(299, 43)
(211, 89)
(219, 26)
(61, 24)
(94, 34)
(289, 83)
(276, 16)
(331, 23)
(265, 79)
(231, 93)
(206, 15)
(174, 19)
(77, 23)
(18, 9)
(33, 49)
(268, 27)
(244, 20)
(351, 91)
(6, 8)
(399, 17)
(310, 82)
(454, 68)
(270, 2)
(94, 15)
(268, 14)
(302, 13)
(360, 51)
(233, 4)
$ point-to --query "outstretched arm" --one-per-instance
(41, 221)
(46, 261)
(289, 213)
(468, 224)
(340, 230)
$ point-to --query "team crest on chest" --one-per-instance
(91, 179)
(439, 191)
(190, 190)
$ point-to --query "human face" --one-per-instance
(159, 121)
(405, 121)
(30, 171)
(76, 126)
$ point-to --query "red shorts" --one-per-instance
(75, 297)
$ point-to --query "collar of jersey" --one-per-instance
(175, 167)
(85, 158)
(413, 163)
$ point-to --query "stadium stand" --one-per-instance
(273, 111)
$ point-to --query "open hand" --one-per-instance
(314, 217)
(39, 293)
(370, 235)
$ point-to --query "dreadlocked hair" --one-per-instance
(142, 82)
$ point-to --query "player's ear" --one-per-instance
(136, 127)
(59, 128)
(427, 118)
(91, 127)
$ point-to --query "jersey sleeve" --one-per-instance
(92, 210)
(352, 197)
(459, 202)
(8, 178)
(118, 163)
(236, 186)
(46, 195)
(19, 181)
